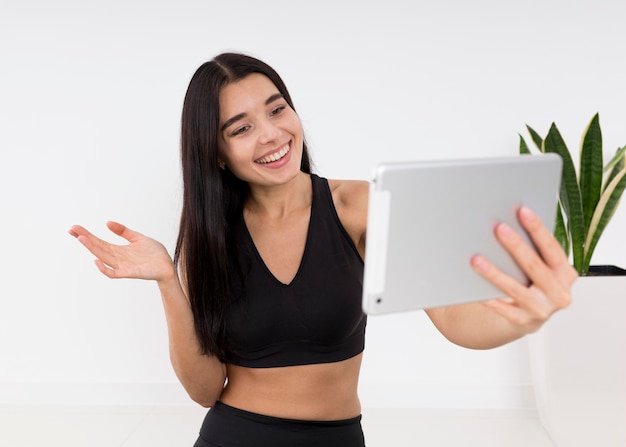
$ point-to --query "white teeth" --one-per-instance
(275, 156)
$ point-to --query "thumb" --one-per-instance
(122, 230)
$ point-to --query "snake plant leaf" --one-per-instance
(535, 137)
(560, 231)
(604, 212)
(523, 147)
(616, 164)
(569, 195)
(591, 165)
(586, 202)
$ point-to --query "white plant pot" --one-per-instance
(578, 365)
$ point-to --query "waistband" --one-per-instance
(221, 407)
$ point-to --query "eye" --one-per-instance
(240, 130)
(277, 110)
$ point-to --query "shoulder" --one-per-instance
(349, 192)
(351, 198)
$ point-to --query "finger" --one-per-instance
(123, 231)
(548, 291)
(524, 255)
(96, 246)
(77, 230)
(509, 286)
(525, 307)
(549, 248)
(526, 321)
(506, 308)
(551, 251)
(554, 281)
(105, 269)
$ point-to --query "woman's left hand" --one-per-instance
(548, 268)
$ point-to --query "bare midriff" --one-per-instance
(319, 392)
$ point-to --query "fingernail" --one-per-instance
(527, 213)
(505, 231)
(480, 263)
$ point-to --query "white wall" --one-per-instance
(90, 99)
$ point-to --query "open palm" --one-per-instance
(142, 258)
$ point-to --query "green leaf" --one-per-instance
(591, 165)
(569, 195)
(536, 138)
(560, 231)
(620, 156)
(523, 147)
(604, 212)
(615, 165)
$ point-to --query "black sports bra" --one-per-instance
(317, 318)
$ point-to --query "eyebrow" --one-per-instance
(236, 118)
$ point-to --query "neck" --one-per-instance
(280, 200)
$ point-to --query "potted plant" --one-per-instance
(578, 359)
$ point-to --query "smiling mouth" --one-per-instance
(275, 156)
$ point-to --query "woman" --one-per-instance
(264, 320)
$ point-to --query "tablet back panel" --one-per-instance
(427, 219)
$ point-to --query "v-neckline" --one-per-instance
(304, 252)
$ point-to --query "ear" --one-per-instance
(221, 164)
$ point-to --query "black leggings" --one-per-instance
(225, 426)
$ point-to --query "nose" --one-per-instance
(269, 132)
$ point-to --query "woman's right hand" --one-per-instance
(142, 258)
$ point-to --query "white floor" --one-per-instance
(173, 426)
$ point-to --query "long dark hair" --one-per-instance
(213, 197)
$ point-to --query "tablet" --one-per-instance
(427, 219)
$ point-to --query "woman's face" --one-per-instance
(261, 136)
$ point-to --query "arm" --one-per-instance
(202, 376)
(493, 323)
(473, 326)
(351, 200)
(526, 308)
